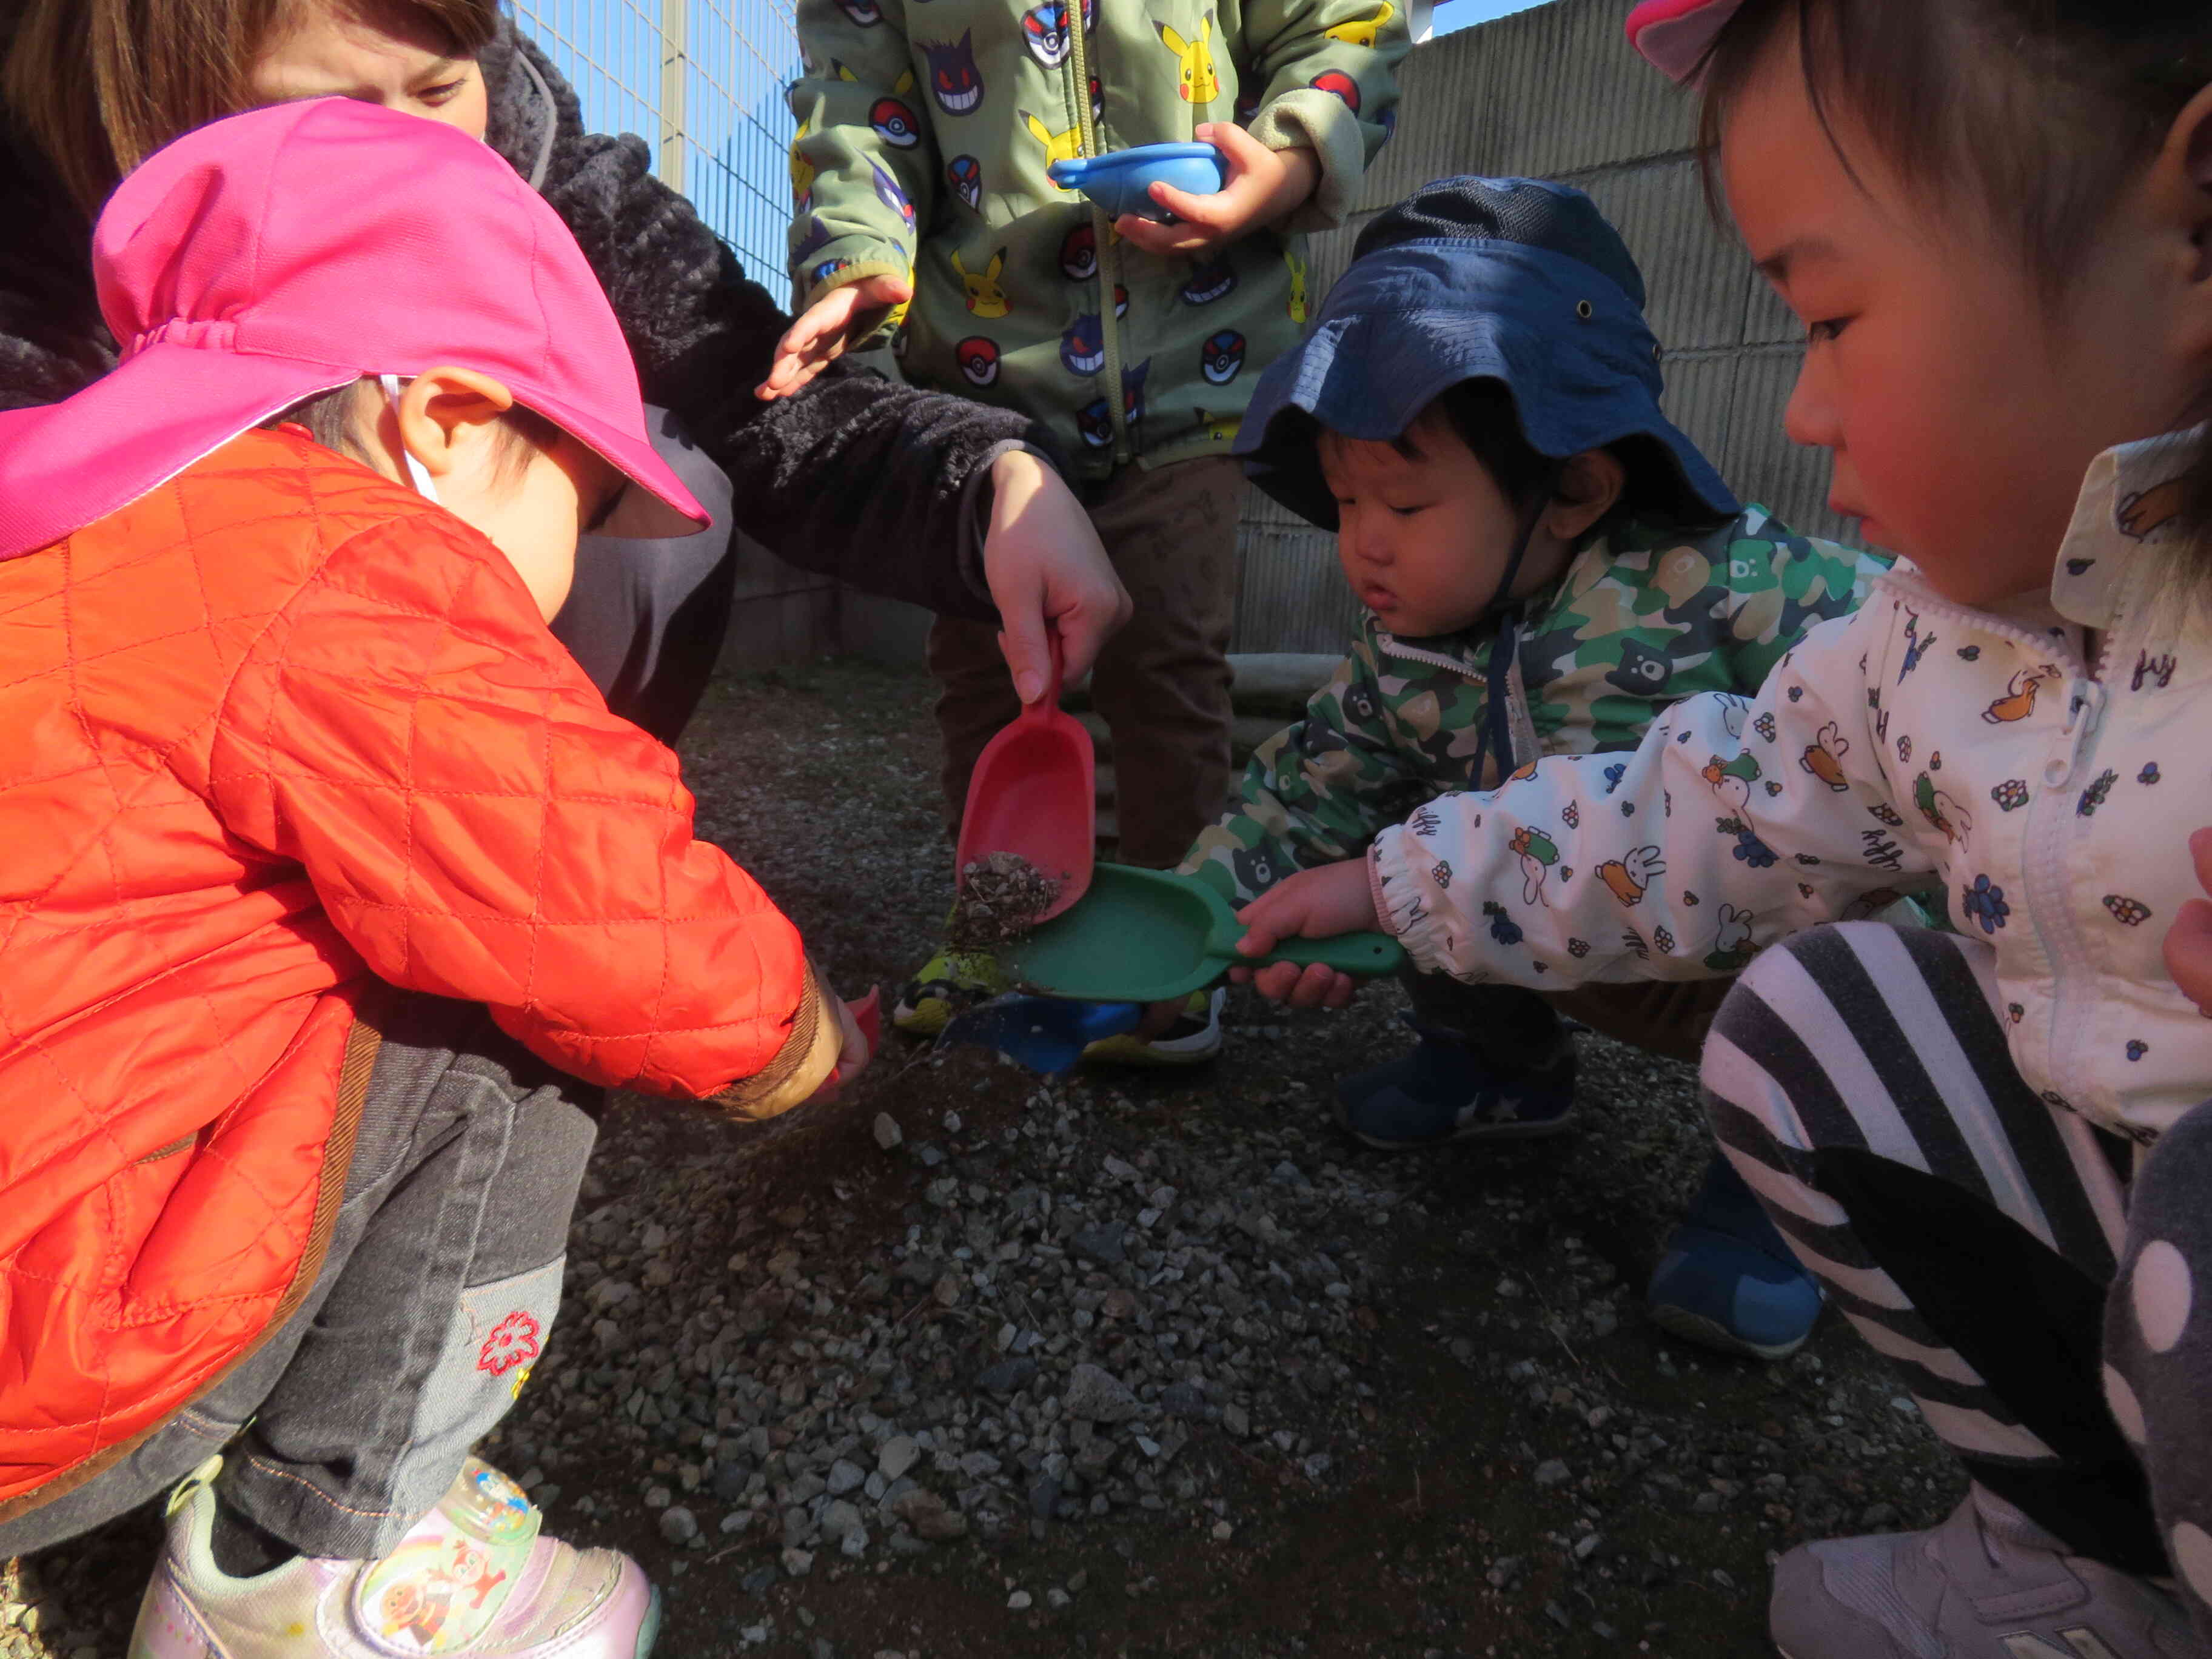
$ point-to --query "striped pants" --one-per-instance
(2029, 1278)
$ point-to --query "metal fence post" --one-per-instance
(674, 67)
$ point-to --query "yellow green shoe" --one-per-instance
(1193, 1040)
(949, 981)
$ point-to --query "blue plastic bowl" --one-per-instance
(1120, 180)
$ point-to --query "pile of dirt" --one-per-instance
(1001, 897)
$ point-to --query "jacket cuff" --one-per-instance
(974, 513)
(801, 1067)
(867, 259)
(1403, 898)
(1306, 118)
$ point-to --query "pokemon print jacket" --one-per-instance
(924, 133)
(1917, 744)
(1645, 616)
(279, 735)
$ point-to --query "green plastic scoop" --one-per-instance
(1150, 936)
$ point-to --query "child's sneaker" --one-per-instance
(1444, 1091)
(1194, 1039)
(472, 1578)
(948, 983)
(1728, 1279)
(1989, 1583)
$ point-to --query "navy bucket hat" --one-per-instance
(1519, 281)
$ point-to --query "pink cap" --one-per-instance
(1672, 34)
(261, 259)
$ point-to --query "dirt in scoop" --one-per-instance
(1001, 897)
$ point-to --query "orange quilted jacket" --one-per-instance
(277, 730)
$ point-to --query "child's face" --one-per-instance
(1961, 410)
(1423, 536)
(382, 51)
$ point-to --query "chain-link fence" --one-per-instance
(700, 81)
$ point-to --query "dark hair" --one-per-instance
(99, 85)
(2036, 114)
(332, 419)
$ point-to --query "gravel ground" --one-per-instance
(974, 1362)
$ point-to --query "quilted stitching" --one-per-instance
(272, 728)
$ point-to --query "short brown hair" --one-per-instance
(2036, 114)
(99, 85)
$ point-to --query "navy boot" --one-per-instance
(1443, 1090)
(1726, 1278)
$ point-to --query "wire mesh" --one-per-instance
(720, 123)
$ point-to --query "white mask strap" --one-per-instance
(417, 474)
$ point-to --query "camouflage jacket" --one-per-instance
(924, 133)
(1641, 618)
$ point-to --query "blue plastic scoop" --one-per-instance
(1120, 180)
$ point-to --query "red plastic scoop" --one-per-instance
(1034, 793)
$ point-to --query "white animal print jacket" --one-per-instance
(1914, 743)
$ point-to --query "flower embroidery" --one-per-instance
(1570, 814)
(1578, 947)
(1888, 814)
(1905, 748)
(2129, 913)
(2095, 795)
(514, 1342)
(1664, 940)
(1984, 902)
(1752, 851)
(1614, 773)
(1970, 653)
(2149, 773)
(1441, 873)
(2137, 1049)
(2015, 1012)
(1765, 726)
(1503, 927)
(2011, 794)
(1688, 897)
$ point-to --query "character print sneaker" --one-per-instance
(1194, 1039)
(1989, 1583)
(948, 983)
(1728, 1280)
(472, 1578)
(1442, 1092)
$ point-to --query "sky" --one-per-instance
(1458, 13)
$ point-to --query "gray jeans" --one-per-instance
(440, 1287)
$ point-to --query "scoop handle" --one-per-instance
(1365, 955)
(1047, 706)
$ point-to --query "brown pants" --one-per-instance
(1161, 684)
(1511, 1028)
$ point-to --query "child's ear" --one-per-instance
(2187, 164)
(1589, 484)
(445, 412)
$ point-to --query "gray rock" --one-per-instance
(678, 1525)
(796, 1564)
(1007, 1377)
(845, 1476)
(1101, 1244)
(1044, 1497)
(1181, 1399)
(1098, 1395)
(897, 1455)
(1550, 1473)
(888, 1134)
(838, 1518)
(1236, 1421)
(759, 1582)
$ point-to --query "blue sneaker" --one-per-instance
(1443, 1091)
(1726, 1278)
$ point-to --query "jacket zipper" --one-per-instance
(1518, 720)
(1102, 235)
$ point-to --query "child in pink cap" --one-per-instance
(328, 873)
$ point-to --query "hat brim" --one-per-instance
(1674, 36)
(1421, 319)
(68, 465)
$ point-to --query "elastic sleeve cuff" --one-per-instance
(801, 1067)
(876, 263)
(974, 513)
(1404, 901)
(1306, 118)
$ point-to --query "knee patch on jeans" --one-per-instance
(497, 1335)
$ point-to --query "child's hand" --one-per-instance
(1046, 567)
(2189, 938)
(1318, 903)
(1264, 185)
(821, 332)
(854, 1050)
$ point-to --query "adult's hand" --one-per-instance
(1046, 567)
(1317, 904)
(819, 336)
(1263, 185)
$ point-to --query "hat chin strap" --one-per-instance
(1497, 731)
(417, 474)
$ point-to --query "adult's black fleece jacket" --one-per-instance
(856, 476)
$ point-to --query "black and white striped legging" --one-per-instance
(2036, 1300)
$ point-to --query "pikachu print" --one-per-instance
(985, 297)
(1363, 32)
(1058, 146)
(1297, 264)
(1199, 83)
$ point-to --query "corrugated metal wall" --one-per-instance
(1556, 93)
